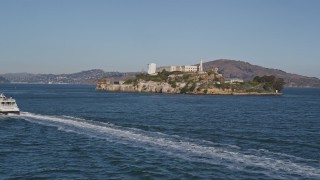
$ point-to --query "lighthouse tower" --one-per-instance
(200, 66)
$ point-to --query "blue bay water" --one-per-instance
(75, 132)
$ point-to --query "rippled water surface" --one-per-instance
(74, 132)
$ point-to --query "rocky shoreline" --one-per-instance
(157, 87)
(203, 83)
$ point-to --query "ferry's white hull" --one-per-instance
(9, 112)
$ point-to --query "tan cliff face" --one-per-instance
(152, 87)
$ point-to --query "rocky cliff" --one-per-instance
(150, 87)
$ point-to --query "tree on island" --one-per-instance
(270, 82)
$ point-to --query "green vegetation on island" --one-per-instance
(210, 82)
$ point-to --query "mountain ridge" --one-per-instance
(228, 68)
(83, 77)
(246, 71)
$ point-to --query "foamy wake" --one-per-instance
(274, 166)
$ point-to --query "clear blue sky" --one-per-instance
(64, 36)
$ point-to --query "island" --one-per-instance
(192, 80)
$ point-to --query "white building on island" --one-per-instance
(152, 68)
(184, 68)
(178, 68)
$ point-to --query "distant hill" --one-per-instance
(229, 69)
(247, 71)
(4, 80)
(83, 77)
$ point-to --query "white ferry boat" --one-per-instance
(8, 105)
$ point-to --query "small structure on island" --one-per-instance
(152, 68)
(103, 83)
(233, 80)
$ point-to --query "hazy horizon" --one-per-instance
(56, 37)
(145, 69)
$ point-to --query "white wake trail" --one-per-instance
(180, 148)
